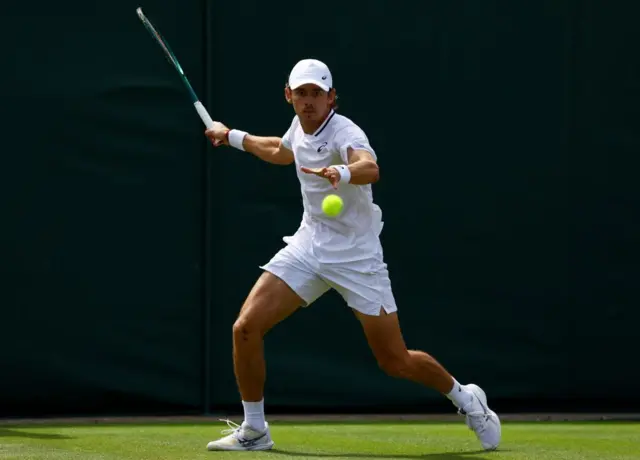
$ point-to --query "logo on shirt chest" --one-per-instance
(323, 145)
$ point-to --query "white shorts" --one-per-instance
(363, 284)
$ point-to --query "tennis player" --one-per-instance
(332, 155)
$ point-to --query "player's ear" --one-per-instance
(333, 97)
(287, 94)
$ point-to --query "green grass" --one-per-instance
(314, 441)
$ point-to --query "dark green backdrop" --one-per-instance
(507, 135)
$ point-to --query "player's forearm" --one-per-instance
(364, 172)
(266, 148)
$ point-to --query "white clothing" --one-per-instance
(342, 252)
(352, 235)
(363, 284)
(311, 71)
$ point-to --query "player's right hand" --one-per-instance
(217, 134)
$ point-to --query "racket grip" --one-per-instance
(206, 119)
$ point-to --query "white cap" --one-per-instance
(311, 71)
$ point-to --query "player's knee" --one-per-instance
(241, 330)
(250, 325)
(396, 366)
(246, 329)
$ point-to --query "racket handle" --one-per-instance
(206, 119)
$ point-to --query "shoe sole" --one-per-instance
(268, 446)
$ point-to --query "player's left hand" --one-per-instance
(331, 174)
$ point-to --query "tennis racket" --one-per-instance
(204, 115)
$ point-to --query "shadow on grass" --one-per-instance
(472, 455)
(9, 433)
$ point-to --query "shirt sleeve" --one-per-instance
(354, 137)
(286, 139)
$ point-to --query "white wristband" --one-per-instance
(236, 137)
(345, 174)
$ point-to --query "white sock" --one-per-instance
(459, 395)
(254, 414)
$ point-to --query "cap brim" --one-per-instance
(299, 83)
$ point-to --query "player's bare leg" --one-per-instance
(387, 344)
(270, 301)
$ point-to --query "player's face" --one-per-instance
(310, 102)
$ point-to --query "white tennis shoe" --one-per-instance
(242, 437)
(480, 419)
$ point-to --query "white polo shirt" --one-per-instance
(354, 234)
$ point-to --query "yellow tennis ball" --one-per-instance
(332, 205)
